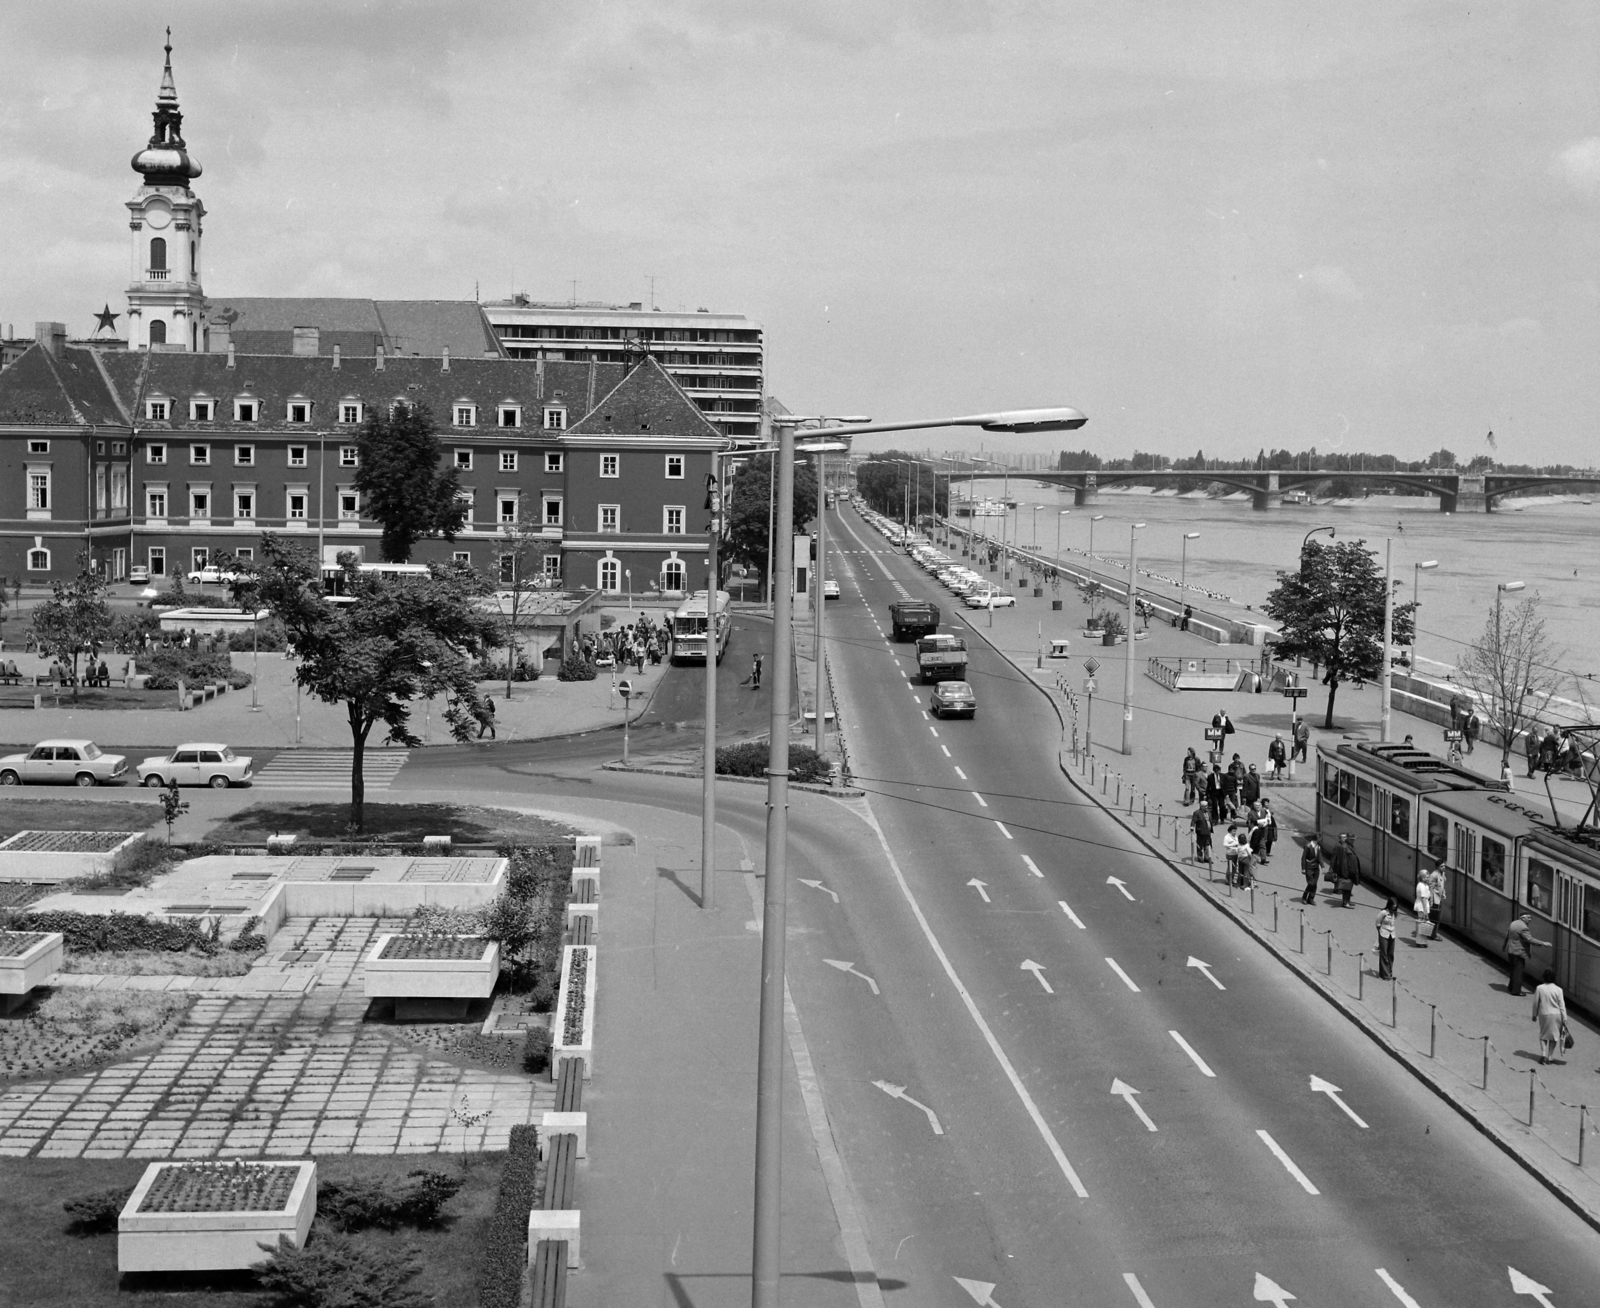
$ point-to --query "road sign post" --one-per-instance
(1294, 694)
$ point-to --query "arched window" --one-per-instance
(158, 332)
(673, 575)
(610, 575)
(158, 254)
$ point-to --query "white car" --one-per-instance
(830, 589)
(138, 575)
(197, 764)
(990, 599)
(79, 762)
(212, 576)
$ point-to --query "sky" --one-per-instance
(1365, 226)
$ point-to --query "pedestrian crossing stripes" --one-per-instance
(316, 769)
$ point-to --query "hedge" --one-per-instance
(167, 666)
(506, 1237)
(750, 760)
(95, 933)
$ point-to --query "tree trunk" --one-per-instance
(358, 784)
(1327, 721)
(74, 676)
(511, 645)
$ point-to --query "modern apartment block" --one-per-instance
(715, 357)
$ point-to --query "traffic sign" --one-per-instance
(1214, 733)
(1088, 685)
(1295, 692)
(1091, 666)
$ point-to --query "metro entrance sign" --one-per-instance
(1295, 692)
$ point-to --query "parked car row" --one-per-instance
(83, 763)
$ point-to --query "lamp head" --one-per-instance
(1511, 585)
(1428, 566)
(1191, 535)
(1097, 517)
(1034, 420)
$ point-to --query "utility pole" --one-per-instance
(1388, 633)
(708, 781)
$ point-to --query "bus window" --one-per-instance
(1494, 863)
(1541, 885)
(1330, 783)
(1364, 798)
(1591, 912)
(1438, 838)
(1347, 792)
(1400, 816)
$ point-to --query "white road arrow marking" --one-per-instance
(1003, 830)
(1071, 914)
(1205, 971)
(1189, 1049)
(1032, 866)
(1289, 1166)
(981, 1291)
(1269, 1291)
(1126, 1091)
(899, 1092)
(1126, 979)
(1118, 883)
(1521, 1284)
(1399, 1290)
(851, 969)
(1139, 1296)
(1321, 1087)
(817, 885)
(1028, 965)
(980, 887)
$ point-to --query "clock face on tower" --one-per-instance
(157, 216)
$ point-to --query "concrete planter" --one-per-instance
(212, 1240)
(29, 966)
(20, 860)
(572, 1025)
(432, 988)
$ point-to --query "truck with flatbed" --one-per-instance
(942, 657)
(913, 619)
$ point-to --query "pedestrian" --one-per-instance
(1550, 1012)
(1223, 723)
(1188, 612)
(1458, 712)
(1269, 830)
(1302, 739)
(1386, 940)
(755, 672)
(1250, 786)
(1213, 793)
(1311, 869)
(1519, 944)
(1191, 774)
(1201, 822)
(1421, 907)
(1346, 869)
(1530, 743)
(1278, 756)
(1547, 752)
(1436, 885)
(1470, 732)
(1506, 779)
(486, 719)
(1230, 793)
(1230, 852)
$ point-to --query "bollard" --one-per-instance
(1158, 821)
(1433, 1029)
(1583, 1113)
(1394, 1002)
(1144, 812)
(1361, 977)
(1252, 897)
(1274, 912)
(1330, 952)
(1485, 1062)
(1302, 931)
(1119, 790)
(1532, 1086)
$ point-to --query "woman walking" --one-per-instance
(1550, 1012)
(1386, 940)
(1421, 908)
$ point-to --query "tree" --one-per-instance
(891, 481)
(749, 509)
(399, 476)
(1510, 670)
(1331, 612)
(523, 547)
(76, 617)
(397, 639)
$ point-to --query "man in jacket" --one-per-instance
(1214, 795)
(1519, 944)
(1302, 739)
(1346, 869)
(1191, 775)
(1201, 822)
(1250, 786)
(1278, 756)
(1311, 869)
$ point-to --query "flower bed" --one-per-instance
(573, 1024)
(210, 1187)
(207, 1216)
(65, 842)
(431, 977)
(577, 1005)
(433, 948)
(13, 944)
(26, 959)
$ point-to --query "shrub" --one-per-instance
(358, 1205)
(272, 637)
(249, 940)
(334, 1271)
(89, 933)
(194, 667)
(536, 1050)
(132, 866)
(96, 1213)
(750, 760)
(577, 668)
(505, 1240)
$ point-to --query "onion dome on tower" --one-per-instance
(165, 161)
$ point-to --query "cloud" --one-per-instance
(1332, 282)
(1579, 166)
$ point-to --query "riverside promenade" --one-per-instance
(1448, 1016)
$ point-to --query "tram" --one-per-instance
(336, 582)
(1406, 809)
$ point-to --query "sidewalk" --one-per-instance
(1450, 985)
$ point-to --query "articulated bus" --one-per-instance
(1405, 809)
(335, 583)
(689, 628)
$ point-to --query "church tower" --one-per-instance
(166, 305)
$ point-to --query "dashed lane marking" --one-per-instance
(1032, 866)
(1003, 830)
(959, 772)
(1126, 979)
(1288, 1163)
(1189, 1049)
(980, 799)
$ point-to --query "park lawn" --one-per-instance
(401, 823)
(46, 1267)
(89, 697)
(25, 814)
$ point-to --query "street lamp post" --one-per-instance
(1062, 514)
(1127, 671)
(819, 593)
(1036, 509)
(1183, 576)
(1386, 709)
(767, 1225)
(708, 765)
(1417, 569)
(1500, 589)
(1096, 518)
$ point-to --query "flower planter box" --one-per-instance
(61, 855)
(431, 978)
(572, 1025)
(26, 959)
(178, 1218)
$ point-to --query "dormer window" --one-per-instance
(555, 419)
(510, 415)
(156, 410)
(300, 411)
(202, 410)
(246, 410)
(466, 415)
(349, 411)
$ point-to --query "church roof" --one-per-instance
(260, 324)
(646, 402)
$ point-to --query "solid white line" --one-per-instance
(1071, 914)
(977, 796)
(1139, 1296)
(946, 749)
(1399, 1290)
(1189, 1049)
(1010, 1071)
(1003, 830)
(1126, 979)
(1032, 866)
(959, 772)
(1305, 1181)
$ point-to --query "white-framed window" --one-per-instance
(552, 567)
(38, 490)
(508, 510)
(349, 505)
(508, 460)
(552, 510)
(674, 466)
(244, 456)
(555, 417)
(349, 456)
(610, 575)
(155, 501)
(100, 488)
(99, 447)
(300, 411)
(555, 460)
(155, 453)
(245, 553)
(297, 505)
(199, 556)
(199, 501)
(158, 560)
(297, 456)
(349, 411)
(611, 465)
(508, 569)
(156, 410)
(202, 410)
(119, 563)
(244, 503)
(672, 519)
(674, 576)
(462, 556)
(464, 460)
(466, 415)
(510, 415)
(38, 447)
(38, 560)
(119, 488)
(246, 410)
(610, 518)
(200, 454)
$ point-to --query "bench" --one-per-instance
(549, 1274)
(561, 1178)
(556, 1222)
(583, 930)
(569, 1086)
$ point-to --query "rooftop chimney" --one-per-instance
(446, 357)
(51, 335)
(230, 354)
(379, 364)
(307, 340)
(337, 354)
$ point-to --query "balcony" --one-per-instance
(156, 274)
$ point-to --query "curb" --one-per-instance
(1513, 1148)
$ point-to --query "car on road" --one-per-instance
(990, 599)
(953, 698)
(830, 589)
(74, 762)
(197, 764)
(138, 575)
(212, 576)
